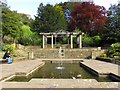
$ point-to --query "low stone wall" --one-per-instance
(67, 54)
(38, 52)
(78, 53)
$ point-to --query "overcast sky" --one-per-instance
(30, 6)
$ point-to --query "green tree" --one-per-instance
(25, 19)
(27, 37)
(67, 8)
(49, 19)
(11, 24)
(111, 33)
(25, 30)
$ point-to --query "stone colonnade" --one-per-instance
(52, 35)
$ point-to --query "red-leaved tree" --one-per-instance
(88, 17)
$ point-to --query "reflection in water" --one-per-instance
(60, 67)
(61, 54)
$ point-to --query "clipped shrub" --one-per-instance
(8, 47)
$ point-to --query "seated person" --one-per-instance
(7, 56)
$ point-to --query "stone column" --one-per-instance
(71, 36)
(32, 55)
(43, 41)
(80, 41)
(55, 40)
(52, 41)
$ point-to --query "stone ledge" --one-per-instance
(61, 83)
(100, 68)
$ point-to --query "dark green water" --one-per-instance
(70, 70)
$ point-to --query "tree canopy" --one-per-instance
(111, 33)
(14, 24)
(10, 23)
(88, 17)
(49, 19)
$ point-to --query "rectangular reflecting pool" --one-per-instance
(61, 71)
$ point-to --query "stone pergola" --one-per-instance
(71, 35)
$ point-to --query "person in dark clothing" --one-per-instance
(7, 56)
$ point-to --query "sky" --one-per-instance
(30, 6)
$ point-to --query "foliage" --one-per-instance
(25, 30)
(91, 41)
(96, 40)
(8, 39)
(10, 23)
(8, 47)
(14, 25)
(3, 5)
(111, 32)
(88, 17)
(32, 39)
(65, 40)
(114, 50)
(87, 41)
(27, 37)
(67, 8)
(104, 55)
(49, 19)
(25, 19)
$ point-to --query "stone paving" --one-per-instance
(28, 65)
(102, 67)
(23, 67)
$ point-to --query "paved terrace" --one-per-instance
(102, 67)
(21, 67)
(25, 67)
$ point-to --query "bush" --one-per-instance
(65, 39)
(87, 41)
(104, 55)
(32, 39)
(96, 40)
(8, 47)
(114, 50)
(116, 46)
(91, 41)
